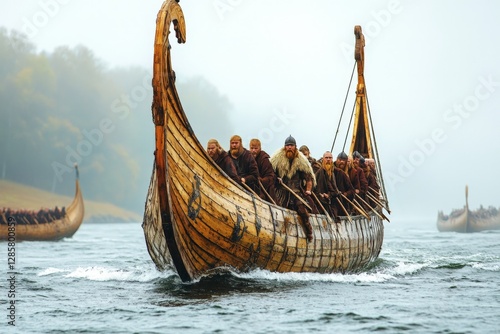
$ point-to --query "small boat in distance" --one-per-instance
(199, 222)
(467, 221)
(45, 224)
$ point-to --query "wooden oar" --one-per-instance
(297, 196)
(343, 208)
(377, 201)
(379, 214)
(321, 205)
(356, 207)
(265, 192)
(338, 200)
(360, 207)
(247, 187)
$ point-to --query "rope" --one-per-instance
(343, 107)
(378, 164)
(349, 126)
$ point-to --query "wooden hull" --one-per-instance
(49, 231)
(468, 222)
(226, 228)
(200, 222)
(453, 223)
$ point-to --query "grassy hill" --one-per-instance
(17, 196)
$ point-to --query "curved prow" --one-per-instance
(466, 209)
(359, 56)
(363, 136)
(467, 197)
(165, 100)
(361, 139)
(76, 209)
(52, 225)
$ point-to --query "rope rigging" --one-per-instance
(378, 165)
(343, 108)
(362, 100)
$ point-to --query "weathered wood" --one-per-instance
(467, 221)
(199, 221)
(52, 230)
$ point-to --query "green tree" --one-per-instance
(66, 107)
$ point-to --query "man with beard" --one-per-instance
(373, 187)
(325, 184)
(222, 159)
(358, 178)
(294, 174)
(248, 171)
(314, 163)
(343, 185)
(267, 177)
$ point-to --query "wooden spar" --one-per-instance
(320, 205)
(361, 211)
(380, 214)
(247, 187)
(265, 192)
(361, 139)
(343, 208)
(296, 196)
(378, 202)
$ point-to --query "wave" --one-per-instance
(365, 277)
(487, 266)
(50, 271)
(97, 273)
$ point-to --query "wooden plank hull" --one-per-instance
(468, 222)
(199, 221)
(218, 228)
(453, 223)
(53, 230)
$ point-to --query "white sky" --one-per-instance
(432, 71)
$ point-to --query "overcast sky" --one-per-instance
(432, 73)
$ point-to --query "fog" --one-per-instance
(431, 68)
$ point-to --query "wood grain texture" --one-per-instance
(52, 230)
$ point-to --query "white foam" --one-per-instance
(113, 274)
(407, 268)
(349, 278)
(486, 266)
(50, 271)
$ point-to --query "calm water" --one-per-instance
(103, 281)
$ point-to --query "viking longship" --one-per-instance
(466, 221)
(199, 222)
(45, 224)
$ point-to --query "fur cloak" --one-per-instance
(284, 169)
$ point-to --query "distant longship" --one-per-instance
(467, 221)
(43, 225)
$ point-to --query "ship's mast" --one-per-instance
(361, 139)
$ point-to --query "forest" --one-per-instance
(67, 107)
